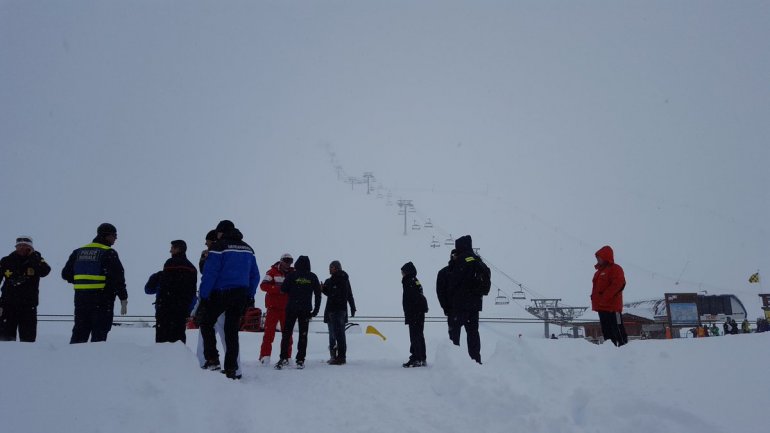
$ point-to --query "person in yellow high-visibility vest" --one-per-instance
(97, 277)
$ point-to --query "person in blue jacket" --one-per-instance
(229, 283)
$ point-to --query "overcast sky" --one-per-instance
(545, 129)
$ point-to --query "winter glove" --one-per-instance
(123, 307)
(314, 313)
(353, 312)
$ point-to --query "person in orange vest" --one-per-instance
(275, 304)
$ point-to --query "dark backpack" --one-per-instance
(482, 278)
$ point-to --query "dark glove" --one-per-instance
(314, 313)
(353, 312)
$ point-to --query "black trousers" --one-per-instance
(232, 302)
(93, 317)
(417, 339)
(170, 325)
(303, 321)
(470, 321)
(612, 327)
(21, 319)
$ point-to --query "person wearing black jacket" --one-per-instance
(338, 295)
(444, 294)
(304, 292)
(415, 306)
(22, 270)
(98, 277)
(177, 285)
(465, 306)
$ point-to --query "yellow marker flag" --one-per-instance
(372, 330)
(754, 278)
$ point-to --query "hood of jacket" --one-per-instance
(409, 269)
(464, 243)
(605, 253)
(302, 264)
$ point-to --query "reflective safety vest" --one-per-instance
(88, 268)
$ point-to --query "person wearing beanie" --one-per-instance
(20, 274)
(229, 283)
(177, 284)
(304, 291)
(415, 306)
(211, 237)
(465, 304)
(275, 304)
(98, 277)
(607, 296)
(338, 295)
(443, 291)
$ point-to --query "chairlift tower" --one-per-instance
(405, 207)
(549, 311)
(369, 179)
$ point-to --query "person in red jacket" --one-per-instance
(607, 296)
(275, 303)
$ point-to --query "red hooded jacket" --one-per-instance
(274, 298)
(609, 282)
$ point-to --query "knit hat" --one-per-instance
(336, 265)
(211, 235)
(105, 229)
(225, 226)
(286, 257)
(24, 240)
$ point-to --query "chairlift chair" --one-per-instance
(428, 224)
(501, 299)
(416, 226)
(519, 294)
(435, 243)
(450, 240)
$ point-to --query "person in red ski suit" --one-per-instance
(275, 304)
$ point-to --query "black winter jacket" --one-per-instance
(413, 301)
(113, 270)
(443, 288)
(22, 279)
(461, 281)
(178, 284)
(338, 294)
(302, 286)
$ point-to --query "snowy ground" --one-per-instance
(130, 384)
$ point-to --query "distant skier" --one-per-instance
(607, 296)
(22, 271)
(97, 277)
(338, 295)
(304, 302)
(415, 306)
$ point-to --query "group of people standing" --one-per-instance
(230, 278)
